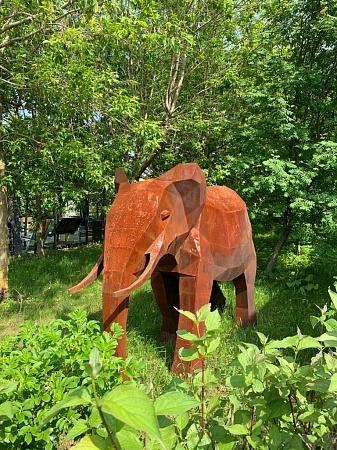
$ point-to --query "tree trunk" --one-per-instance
(39, 227)
(298, 247)
(4, 259)
(278, 248)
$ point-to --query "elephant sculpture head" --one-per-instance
(182, 235)
(146, 220)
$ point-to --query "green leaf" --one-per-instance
(213, 403)
(182, 421)
(238, 429)
(192, 437)
(263, 338)
(257, 385)
(133, 407)
(255, 442)
(6, 411)
(329, 338)
(288, 342)
(237, 381)
(203, 312)
(314, 321)
(308, 342)
(79, 428)
(227, 443)
(333, 383)
(213, 345)
(28, 438)
(94, 443)
(331, 325)
(188, 314)
(213, 321)
(188, 354)
(8, 386)
(173, 403)
(168, 432)
(95, 362)
(80, 396)
(277, 408)
(129, 440)
(333, 296)
(320, 385)
(187, 335)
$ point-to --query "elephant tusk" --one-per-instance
(141, 280)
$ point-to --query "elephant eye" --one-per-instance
(165, 215)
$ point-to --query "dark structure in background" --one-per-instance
(86, 226)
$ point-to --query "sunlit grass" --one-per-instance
(284, 301)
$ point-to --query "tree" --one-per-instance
(170, 57)
(286, 118)
(24, 28)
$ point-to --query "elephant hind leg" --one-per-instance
(218, 300)
(244, 286)
(166, 291)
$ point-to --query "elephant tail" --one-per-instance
(92, 276)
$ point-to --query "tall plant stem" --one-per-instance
(112, 438)
(202, 387)
(252, 416)
(292, 411)
(202, 396)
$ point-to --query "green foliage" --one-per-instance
(237, 88)
(271, 399)
(167, 422)
(123, 411)
(39, 366)
(276, 401)
(271, 402)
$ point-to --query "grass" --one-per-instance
(284, 301)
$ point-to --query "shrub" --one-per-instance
(39, 367)
(273, 401)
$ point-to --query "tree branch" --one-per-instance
(11, 25)
(212, 21)
(175, 81)
(10, 83)
(25, 136)
(7, 41)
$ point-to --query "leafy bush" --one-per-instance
(279, 403)
(272, 401)
(39, 367)
(126, 418)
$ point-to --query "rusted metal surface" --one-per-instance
(185, 237)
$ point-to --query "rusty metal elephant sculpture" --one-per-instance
(185, 237)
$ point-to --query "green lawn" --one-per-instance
(285, 301)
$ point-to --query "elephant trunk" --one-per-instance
(152, 256)
(115, 296)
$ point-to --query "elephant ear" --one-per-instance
(188, 183)
(120, 179)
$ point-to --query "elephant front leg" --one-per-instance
(195, 292)
(166, 291)
(244, 287)
(115, 310)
